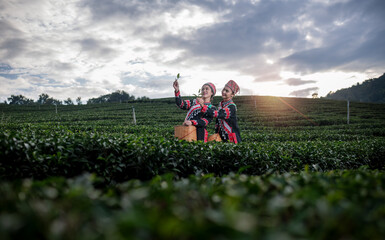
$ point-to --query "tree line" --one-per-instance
(117, 96)
(45, 99)
(371, 90)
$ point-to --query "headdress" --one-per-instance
(212, 86)
(233, 86)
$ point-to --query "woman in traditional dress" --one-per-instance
(195, 116)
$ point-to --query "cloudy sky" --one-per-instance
(87, 48)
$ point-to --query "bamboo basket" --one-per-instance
(215, 137)
(188, 133)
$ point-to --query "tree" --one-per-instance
(68, 101)
(142, 99)
(19, 100)
(56, 102)
(45, 99)
(79, 100)
(120, 96)
(117, 96)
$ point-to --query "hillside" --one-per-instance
(372, 90)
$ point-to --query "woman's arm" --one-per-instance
(202, 122)
(224, 113)
(183, 104)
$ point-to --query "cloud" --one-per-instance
(268, 76)
(61, 66)
(304, 92)
(351, 33)
(9, 76)
(7, 29)
(5, 68)
(318, 36)
(149, 81)
(13, 48)
(96, 48)
(244, 31)
(298, 81)
(100, 45)
(102, 10)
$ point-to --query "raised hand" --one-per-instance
(176, 85)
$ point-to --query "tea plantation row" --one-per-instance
(120, 157)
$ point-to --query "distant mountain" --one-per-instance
(372, 90)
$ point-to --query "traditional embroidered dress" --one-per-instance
(226, 121)
(195, 115)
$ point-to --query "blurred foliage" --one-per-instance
(304, 205)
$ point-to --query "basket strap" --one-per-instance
(188, 133)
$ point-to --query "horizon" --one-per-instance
(216, 95)
(187, 96)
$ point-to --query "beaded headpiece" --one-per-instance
(233, 86)
(212, 86)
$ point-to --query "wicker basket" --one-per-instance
(215, 137)
(188, 133)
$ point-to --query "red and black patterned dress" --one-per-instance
(195, 115)
(226, 121)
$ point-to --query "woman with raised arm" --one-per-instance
(194, 115)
